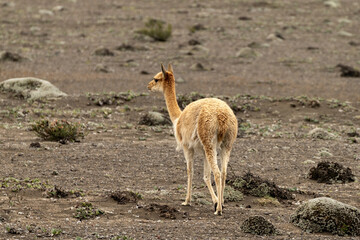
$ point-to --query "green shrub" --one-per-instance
(86, 211)
(62, 130)
(156, 29)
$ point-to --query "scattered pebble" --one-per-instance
(332, 4)
(35, 145)
(179, 80)
(58, 8)
(46, 12)
(247, 53)
(102, 51)
(345, 34)
(193, 42)
(103, 68)
(198, 67)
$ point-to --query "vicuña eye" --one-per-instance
(156, 80)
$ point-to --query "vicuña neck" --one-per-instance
(170, 99)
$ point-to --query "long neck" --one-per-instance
(170, 99)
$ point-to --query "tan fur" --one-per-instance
(204, 126)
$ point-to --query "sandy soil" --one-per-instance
(294, 49)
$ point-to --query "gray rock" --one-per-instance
(31, 88)
(327, 215)
(153, 119)
(247, 53)
(321, 134)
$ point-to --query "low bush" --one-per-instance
(157, 30)
(62, 131)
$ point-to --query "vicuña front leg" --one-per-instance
(189, 156)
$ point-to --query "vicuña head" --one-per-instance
(204, 126)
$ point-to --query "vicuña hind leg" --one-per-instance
(207, 180)
(224, 156)
(210, 154)
(189, 156)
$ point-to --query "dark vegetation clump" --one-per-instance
(58, 130)
(9, 56)
(164, 210)
(103, 52)
(123, 197)
(58, 192)
(331, 172)
(184, 99)
(86, 210)
(111, 98)
(257, 187)
(157, 30)
(347, 71)
(258, 225)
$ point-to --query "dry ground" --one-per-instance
(297, 45)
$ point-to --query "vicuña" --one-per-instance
(206, 125)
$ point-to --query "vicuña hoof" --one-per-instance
(218, 213)
(185, 204)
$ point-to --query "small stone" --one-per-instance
(102, 51)
(198, 27)
(58, 8)
(308, 161)
(247, 53)
(102, 68)
(200, 48)
(125, 47)
(179, 80)
(35, 145)
(35, 29)
(198, 67)
(46, 12)
(254, 45)
(143, 72)
(130, 63)
(345, 34)
(274, 37)
(332, 4)
(193, 42)
(245, 18)
(344, 20)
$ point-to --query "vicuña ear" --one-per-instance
(163, 71)
(170, 69)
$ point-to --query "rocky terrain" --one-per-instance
(288, 69)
